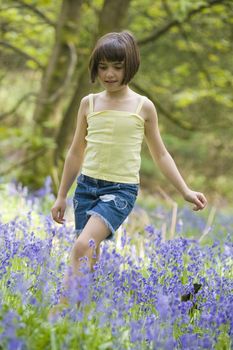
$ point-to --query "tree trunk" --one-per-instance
(60, 66)
(113, 16)
(56, 79)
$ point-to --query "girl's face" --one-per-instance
(111, 74)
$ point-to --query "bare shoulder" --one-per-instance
(148, 110)
(98, 98)
(84, 103)
(85, 100)
(84, 106)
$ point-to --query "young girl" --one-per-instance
(106, 148)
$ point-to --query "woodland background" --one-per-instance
(186, 69)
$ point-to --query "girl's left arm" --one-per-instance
(164, 160)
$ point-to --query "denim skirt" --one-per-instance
(111, 201)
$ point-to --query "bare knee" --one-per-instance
(81, 248)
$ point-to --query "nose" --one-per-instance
(109, 72)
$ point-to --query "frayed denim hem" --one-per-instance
(77, 232)
(92, 212)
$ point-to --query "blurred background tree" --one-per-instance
(186, 69)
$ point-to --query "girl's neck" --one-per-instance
(119, 94)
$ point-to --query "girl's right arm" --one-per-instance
(73, 162)
(164, 160)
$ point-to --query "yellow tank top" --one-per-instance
(114, 139)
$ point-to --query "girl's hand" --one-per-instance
(58, 210)
(196, 198)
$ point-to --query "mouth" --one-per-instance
(110, 81)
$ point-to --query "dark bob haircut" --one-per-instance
(114, 47)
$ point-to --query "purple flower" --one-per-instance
(136, 299)
(123, 238)
(188, 341)
(162, 306)
(16, 344)
(136, 333)
(46, 189)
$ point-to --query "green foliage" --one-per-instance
(25, 27)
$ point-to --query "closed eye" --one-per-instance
(116, 65)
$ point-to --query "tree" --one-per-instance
(61, 64)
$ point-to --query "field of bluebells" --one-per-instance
(146, 292)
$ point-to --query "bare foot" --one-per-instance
(56, 310)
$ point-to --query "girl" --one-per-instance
(106, 148)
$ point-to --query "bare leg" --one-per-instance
(95, 229)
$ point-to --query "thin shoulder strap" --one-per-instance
(139, 107)
(91, 104)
